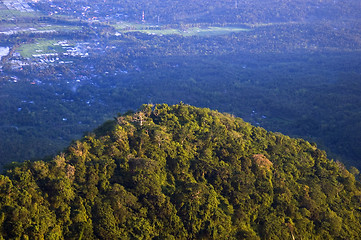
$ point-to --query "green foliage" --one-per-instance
(180, 172)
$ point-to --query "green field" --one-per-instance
(63, 28)
(159, 30)
(41, 46)
(212, 31)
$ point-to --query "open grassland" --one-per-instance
(41, 46)
(211, 31)
(193, 31)
(59, 28)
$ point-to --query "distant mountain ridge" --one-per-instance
(181, 172)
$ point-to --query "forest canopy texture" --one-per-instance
(181, 172)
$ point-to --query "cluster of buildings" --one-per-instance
(40, 57)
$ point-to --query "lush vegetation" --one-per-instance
(180, 172)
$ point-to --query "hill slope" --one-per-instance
(180, 172)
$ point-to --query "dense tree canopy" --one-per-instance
(180, 172)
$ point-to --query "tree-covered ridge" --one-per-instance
(181, 172)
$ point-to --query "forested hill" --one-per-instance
(181, 172)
